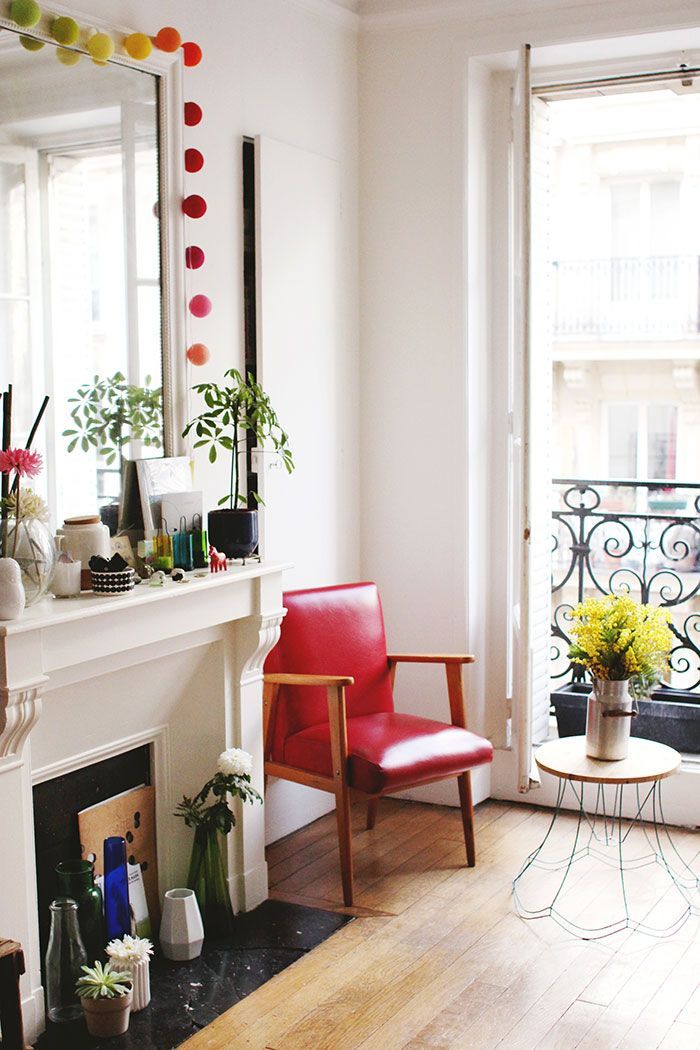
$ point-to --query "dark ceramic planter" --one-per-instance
(233, 532)
(672, 717)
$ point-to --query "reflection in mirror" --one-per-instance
(80, 291)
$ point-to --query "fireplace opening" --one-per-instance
(57, 803)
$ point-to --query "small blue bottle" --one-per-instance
(116, 888)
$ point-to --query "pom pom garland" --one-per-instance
(194, 206)
(168, 39)
(100, 47)
(193, 114)
(194, 257)
(192, 53)
(138, 46)
(200, 305)
(198, 354)
(26, 13)
(30, 43)
(66, 57)
(65, 31)
(194, 161)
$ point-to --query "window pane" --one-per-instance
(13, 230)
(662, 425)
(623, 428)
(664, 203)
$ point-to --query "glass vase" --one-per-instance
(30, 543)
(207, 878)
(76, 879)
(65, 956)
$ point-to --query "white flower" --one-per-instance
(235, 763)
(130, 949)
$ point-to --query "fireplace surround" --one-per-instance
(178, 669)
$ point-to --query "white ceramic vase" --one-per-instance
(140, 971)
(181, 929)
(12, 598)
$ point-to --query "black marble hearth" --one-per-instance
(189, 996)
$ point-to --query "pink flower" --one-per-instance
(20, 461)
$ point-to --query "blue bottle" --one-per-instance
(116, 888)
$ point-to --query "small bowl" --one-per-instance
(113, 582)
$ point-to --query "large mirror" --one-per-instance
(80, 268)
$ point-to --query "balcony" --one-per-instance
(636, 537)
(654, 298)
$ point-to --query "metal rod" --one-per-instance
(618, 81)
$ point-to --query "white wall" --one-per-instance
(425, 332)
(283, 70)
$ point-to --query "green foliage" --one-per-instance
(218, 814)
(109, 413)
(102, 982)
(232, 409)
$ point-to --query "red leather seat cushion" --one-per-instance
(388, 751)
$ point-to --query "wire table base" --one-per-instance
(604, 834)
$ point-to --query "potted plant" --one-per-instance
(132, 955)
(106, 995)
(108, 414)
(237, 407)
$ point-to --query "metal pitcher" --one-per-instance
(610, 713)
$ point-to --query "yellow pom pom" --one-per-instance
(138, 46)
(30, 43)
(100, 47)
(68, 58)
(26, 13)
(65, 30)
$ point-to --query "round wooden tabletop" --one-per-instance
(646, 761)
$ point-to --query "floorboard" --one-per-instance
(436, 957)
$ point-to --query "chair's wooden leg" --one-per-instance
(342, 815)
(372, 813)
(464, 781)
(339, 753)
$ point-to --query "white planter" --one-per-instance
(181, 929)
(140, 978)
(12, 597)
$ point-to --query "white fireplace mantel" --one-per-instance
(81, 680)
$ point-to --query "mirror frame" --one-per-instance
(168, 67)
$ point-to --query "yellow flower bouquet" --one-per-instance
(616, 638)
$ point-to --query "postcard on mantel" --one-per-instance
(159, 476)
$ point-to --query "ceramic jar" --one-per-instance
(181, 929)
(12, 598)
(83, 537)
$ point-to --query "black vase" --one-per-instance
(233, 532)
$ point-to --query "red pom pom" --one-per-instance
(200, 305)
(194, 161)
(193, 114)
(198, 354)
(193, 53)
(194, 257)
(168, 39)
(194, 206)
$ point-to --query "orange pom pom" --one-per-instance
(168, 39)
(198, 354)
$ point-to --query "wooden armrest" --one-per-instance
(308, 679)
(430, 658)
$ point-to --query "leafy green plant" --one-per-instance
(232, 778)
(109, 413)
(102, 982)
(232, 409)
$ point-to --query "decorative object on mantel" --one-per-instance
(116, 888)
(106, 997)
(66, 577)
(83, 537)
(76, 879)
(111, 577)
(624, 646)
(217, 560)
(133, 955)
(65, 956)
(25, 535)
(12, 598)
(233, 408)
(181, 928)
(206, 875)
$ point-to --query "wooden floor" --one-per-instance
(439, 959)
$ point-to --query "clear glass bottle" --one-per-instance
(64, 957)
(76, 880)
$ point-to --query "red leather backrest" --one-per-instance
(330, 630)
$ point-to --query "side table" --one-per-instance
(602, 832)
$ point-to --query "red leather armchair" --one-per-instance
(329, 712)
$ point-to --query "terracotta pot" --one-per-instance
(107, 1017)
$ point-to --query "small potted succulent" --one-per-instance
(106, 996)
(237, 407)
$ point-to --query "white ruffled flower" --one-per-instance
(235, 763)
(130, 949)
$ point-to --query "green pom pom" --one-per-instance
(65, 30)
(26, 13)
(30, 43)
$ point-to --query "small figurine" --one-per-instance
(217, 560)
(178, 575)
(157, 579)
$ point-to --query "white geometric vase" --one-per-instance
(181, 929)
(140, 971)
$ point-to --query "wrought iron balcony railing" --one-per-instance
(656, 297)
(636, 537)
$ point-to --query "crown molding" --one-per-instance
(342, 12)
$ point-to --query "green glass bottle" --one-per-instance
(76, 879)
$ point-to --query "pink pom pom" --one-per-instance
(194, 206)
(194, 257)
(194, 161)
(200, 305)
